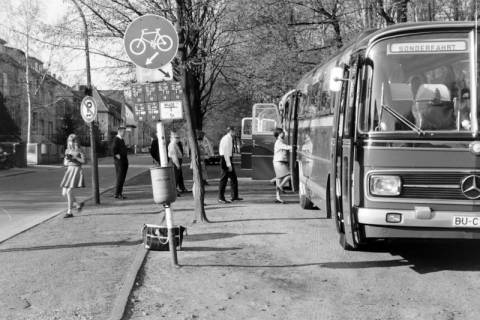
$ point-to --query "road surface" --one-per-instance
(31, 195)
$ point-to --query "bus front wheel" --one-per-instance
(344, 243)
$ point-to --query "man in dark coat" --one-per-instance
(121, 162)
(154, 150)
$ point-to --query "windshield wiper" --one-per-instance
(401, 118)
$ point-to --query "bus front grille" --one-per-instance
(433, 185)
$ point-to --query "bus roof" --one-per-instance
(371, 35)
(400, 28)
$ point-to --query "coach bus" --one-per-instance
(388, 134)
(265, 118)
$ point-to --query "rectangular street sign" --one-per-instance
(171, 110)
(157, 101)
(138, 94)
(153, 111)
(140, 111)
(151, 92)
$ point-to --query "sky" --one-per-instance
(68, 64)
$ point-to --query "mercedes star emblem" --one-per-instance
(471, 187)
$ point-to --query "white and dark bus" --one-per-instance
(387, 134)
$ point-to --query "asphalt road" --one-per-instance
(31, 195)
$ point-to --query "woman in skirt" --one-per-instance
(280, 163)
(73, 178)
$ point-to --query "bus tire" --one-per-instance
(328, 207)
(343, 242)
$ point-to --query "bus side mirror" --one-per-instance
(336, 79)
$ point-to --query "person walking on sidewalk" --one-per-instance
(225, 149)
(73, 177)
(280, 163)
(121, 162)
(175, 154)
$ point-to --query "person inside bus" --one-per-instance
(433, 108)
(463, 112)
(280, 163)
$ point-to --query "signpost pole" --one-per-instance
(95, 186)
(155, 57)
(162, 147)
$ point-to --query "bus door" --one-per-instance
(288, 113)
(246, 148)
(265, 119)
(344, 153)
(293, 138)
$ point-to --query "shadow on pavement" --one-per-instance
(209, 248)
(223, 235)
(120, 213)
(426, 256)
(268, 219)
(329, 265)
(76, 245)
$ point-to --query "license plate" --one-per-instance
(466, 222)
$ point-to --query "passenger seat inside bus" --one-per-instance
(402, 100)
(433, 108)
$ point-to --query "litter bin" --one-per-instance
(163, 185)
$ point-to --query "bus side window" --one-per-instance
(302, 106)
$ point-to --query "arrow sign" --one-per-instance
(151, 41)
(150, 60)
(165, 73)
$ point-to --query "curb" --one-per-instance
(53, 215)
(121, 301)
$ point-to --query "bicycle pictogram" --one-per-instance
(162, 42)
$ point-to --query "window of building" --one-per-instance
(5, 87)
(34, 121)
(42, 127)
(50, 129)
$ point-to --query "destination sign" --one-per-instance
(451, 46)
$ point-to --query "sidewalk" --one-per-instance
(74, 268)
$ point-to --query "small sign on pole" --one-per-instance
(88, 109)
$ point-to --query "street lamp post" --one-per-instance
(96, 193)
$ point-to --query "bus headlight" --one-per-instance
(385, 185)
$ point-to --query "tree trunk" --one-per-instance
(196, 113)
(29, 95)
(401, 10)
(187, 85)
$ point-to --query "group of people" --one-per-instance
(175, 152)
(75, 158)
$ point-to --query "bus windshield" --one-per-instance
(420, 83)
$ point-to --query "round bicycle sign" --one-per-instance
(88, 109)
(151, 41)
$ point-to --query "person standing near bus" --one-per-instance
(225, 149)
(280, 163)
(120, 159)
(175, 154)
(73, 177)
